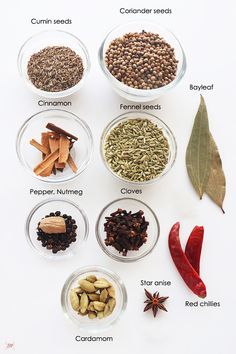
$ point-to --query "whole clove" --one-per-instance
(126, 231)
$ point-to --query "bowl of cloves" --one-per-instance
(56, 228)
(93, 298)
(54, 145)
(127, 230)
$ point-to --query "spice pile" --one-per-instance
(137, 150)
(142, 60)
(57, 231)
(93, 297)
(55, 147)
(188, 262)
(126, 231)
(203, 160)
(55, 69)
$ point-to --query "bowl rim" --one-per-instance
(118, 257)
(78, 120)
(57, 94)
(127, 116)
(140, 92)
(52, 256)
(87, 269)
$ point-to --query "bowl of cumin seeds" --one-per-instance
(53, 63)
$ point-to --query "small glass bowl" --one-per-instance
(65, 207)
(83, 322)
(52, 38)
(153, 230)
(160, 124)
(30, 157)
(139, 95)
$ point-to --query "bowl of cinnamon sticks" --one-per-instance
(54, 145)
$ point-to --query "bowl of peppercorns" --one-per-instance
(56, 228)
(142, 60)
(127, 230)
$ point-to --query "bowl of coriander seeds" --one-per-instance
(53, 63)
(138, 147)
(142, 60)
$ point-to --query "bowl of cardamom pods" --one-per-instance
(138, 147)
(53, 63)
(94, 298)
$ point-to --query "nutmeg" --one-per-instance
(53, 225)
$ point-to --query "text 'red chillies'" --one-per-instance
(182, 263)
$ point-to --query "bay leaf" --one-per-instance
(198, 154)
(216, 186)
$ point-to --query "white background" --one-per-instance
(30, 312)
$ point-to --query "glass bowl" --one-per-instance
(52, 38)
(65, 207)
(153, 230)
(83, 322)
(160, 124)
(30, 157)
(139, 95)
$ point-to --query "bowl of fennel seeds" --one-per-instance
(138, 147)
(53, 63)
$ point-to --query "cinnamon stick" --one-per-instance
(58, 130)
(72, 164)
(54, 144)
(44, 149)
(48, 161)
(60, 165)
(64, 145)
(45, 142)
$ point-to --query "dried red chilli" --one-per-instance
(184, 267)
(194, 247)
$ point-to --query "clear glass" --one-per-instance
(153, 230)
(83, 322)
(65, 207)
(130, 93)
(30, 157)
(52, 38)
(160, 124)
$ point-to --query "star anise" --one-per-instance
(154, 302)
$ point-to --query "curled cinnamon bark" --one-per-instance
(58, 130)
